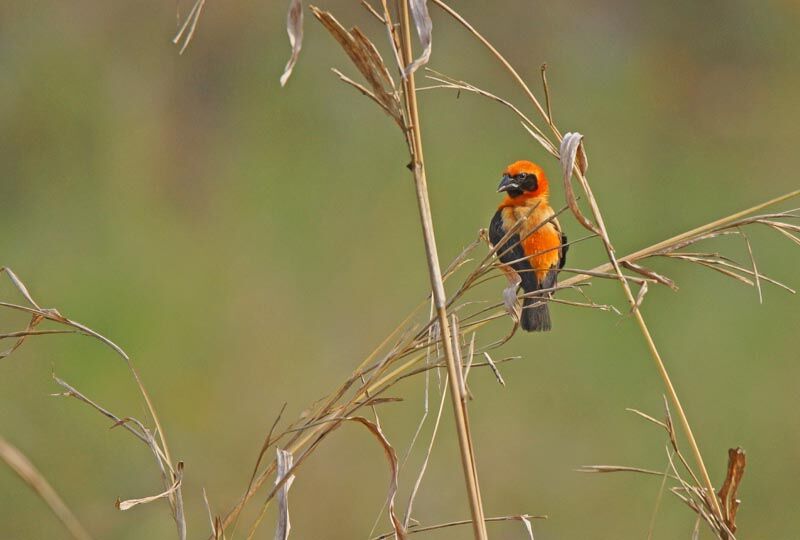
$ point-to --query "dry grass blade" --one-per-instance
(570, 146)
(470, 357)
(214, 521)
(22, 335)
(285, 461)
(391, 456)
(726, 267)
(639, 269)
(26, 333)
(186, 31)
(500, 58)
(458, 85)
(649, 418)
(657, 505)
(29, 474)
(265, 446)
(618, 468)
(424, 467)
(727, 493)
(294, 27)
(368, 61)
(755, 268)
(428, 528)
(496, 371)
(19, 285)
(424, 25)
(528, 526)
(640, 297)
(130, 503)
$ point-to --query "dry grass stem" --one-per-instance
(22, 466)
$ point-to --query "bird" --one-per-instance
(537, 250)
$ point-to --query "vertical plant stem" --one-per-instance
(711, 497)
(437, 284)
(662, 370)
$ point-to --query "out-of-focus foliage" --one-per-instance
(248, 245)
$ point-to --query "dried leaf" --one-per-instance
(646, 272)
(494, 368)
(510, 292)
(617, 468)
(186, 31)
(755, 268)
(23, 335)
(284, 465)
(640, 297)
(19, 286)
(422, 20)
(570, 149)
(727, 493)
(648, 417)
(294, 27)
(391, 457)
(528, 527)
(130, 503)
(367, 60)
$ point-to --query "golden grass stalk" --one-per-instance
(27, 471)
(437, 284)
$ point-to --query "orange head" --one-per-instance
(524, 180)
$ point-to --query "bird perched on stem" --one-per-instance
(537, 249)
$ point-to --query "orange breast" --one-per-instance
(542, 246)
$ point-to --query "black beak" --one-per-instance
(507, 183)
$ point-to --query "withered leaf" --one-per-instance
(294, 27)
(422, 20)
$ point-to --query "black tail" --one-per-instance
(535, 318)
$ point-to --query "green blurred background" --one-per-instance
(248, 245)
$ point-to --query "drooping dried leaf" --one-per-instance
(570, 149)
(294, 27)
(727, 493)
(640, 296)
(510, 292)
(528, 527)
(391, 457)
(130, 503)
(422, 20)
(285, 461)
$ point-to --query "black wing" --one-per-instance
(511, 253)
(564, 248)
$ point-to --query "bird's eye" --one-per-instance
(522, 176)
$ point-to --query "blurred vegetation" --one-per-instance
(248, 245)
